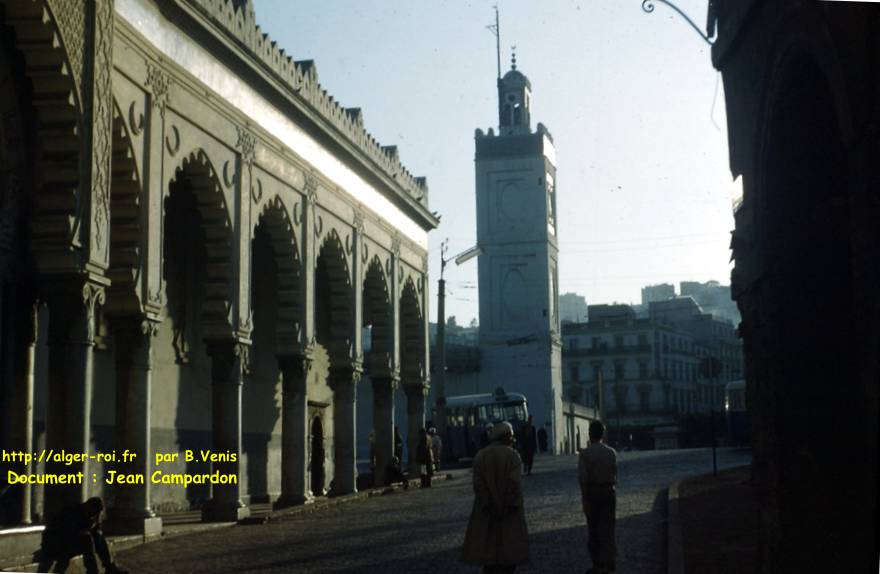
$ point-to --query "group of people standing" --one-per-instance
(427, 455)
(497, 536)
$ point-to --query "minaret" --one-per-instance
(518, 267)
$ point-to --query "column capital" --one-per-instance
(299, 364)
(234, 347)
(29, 315)
(346, 374)
(142, 325)
(295, 370)
(381, 364)
(73, 302)
(227, 355)
(385, 385)
(416, 389)
(133, 337)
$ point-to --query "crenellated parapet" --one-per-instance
(236, 19)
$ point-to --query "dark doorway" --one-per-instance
(317, 457)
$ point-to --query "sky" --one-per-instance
(634, 105)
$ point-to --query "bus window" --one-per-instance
(483, 415)
(514, 412)
(497, 413)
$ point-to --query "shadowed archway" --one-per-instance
(197, 269)
(275, 301)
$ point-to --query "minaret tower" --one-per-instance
(518, 267)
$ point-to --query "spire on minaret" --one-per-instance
(513, 57)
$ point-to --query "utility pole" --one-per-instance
(714, 442)
(440, 375)
(440, 380)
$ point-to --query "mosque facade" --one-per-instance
(195, 241)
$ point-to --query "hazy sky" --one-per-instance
(644, 192)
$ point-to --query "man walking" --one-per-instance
(496, 537)
(597, 475)
(529, 445)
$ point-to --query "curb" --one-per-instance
(674, 542)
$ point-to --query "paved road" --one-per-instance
(422, 530)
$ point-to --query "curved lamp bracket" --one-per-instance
(648, 6)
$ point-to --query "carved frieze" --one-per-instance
(172, 141)
(246, 145)
(135, 119)
(70, 18)
(102, 127)
(159, 83)
(311, 188)
(257, 191)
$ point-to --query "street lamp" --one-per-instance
(708, 37)
(440, 378)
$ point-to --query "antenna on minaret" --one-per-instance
(496, 29)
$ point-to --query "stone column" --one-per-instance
(131, 512)
(415, 420)
(344, 381)
(227, 377)
(17, 346)
(68, 425)
(383, 424)
(294, 431)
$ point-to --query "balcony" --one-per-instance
(608, 351)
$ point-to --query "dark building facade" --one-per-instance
(801, 83)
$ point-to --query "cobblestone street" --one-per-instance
(422, 531)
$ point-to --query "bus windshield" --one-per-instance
(496, 412)
(514, 412)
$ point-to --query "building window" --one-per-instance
(595, 343)
(575, 370)
(645, 400)
(597, 372)
(618, 341)
(620, 398)
(643, 340)
(618, 371)
(643, 370)
(572, 344)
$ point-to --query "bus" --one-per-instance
(468, 415)
(736, 413)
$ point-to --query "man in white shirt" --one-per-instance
(597, 475)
